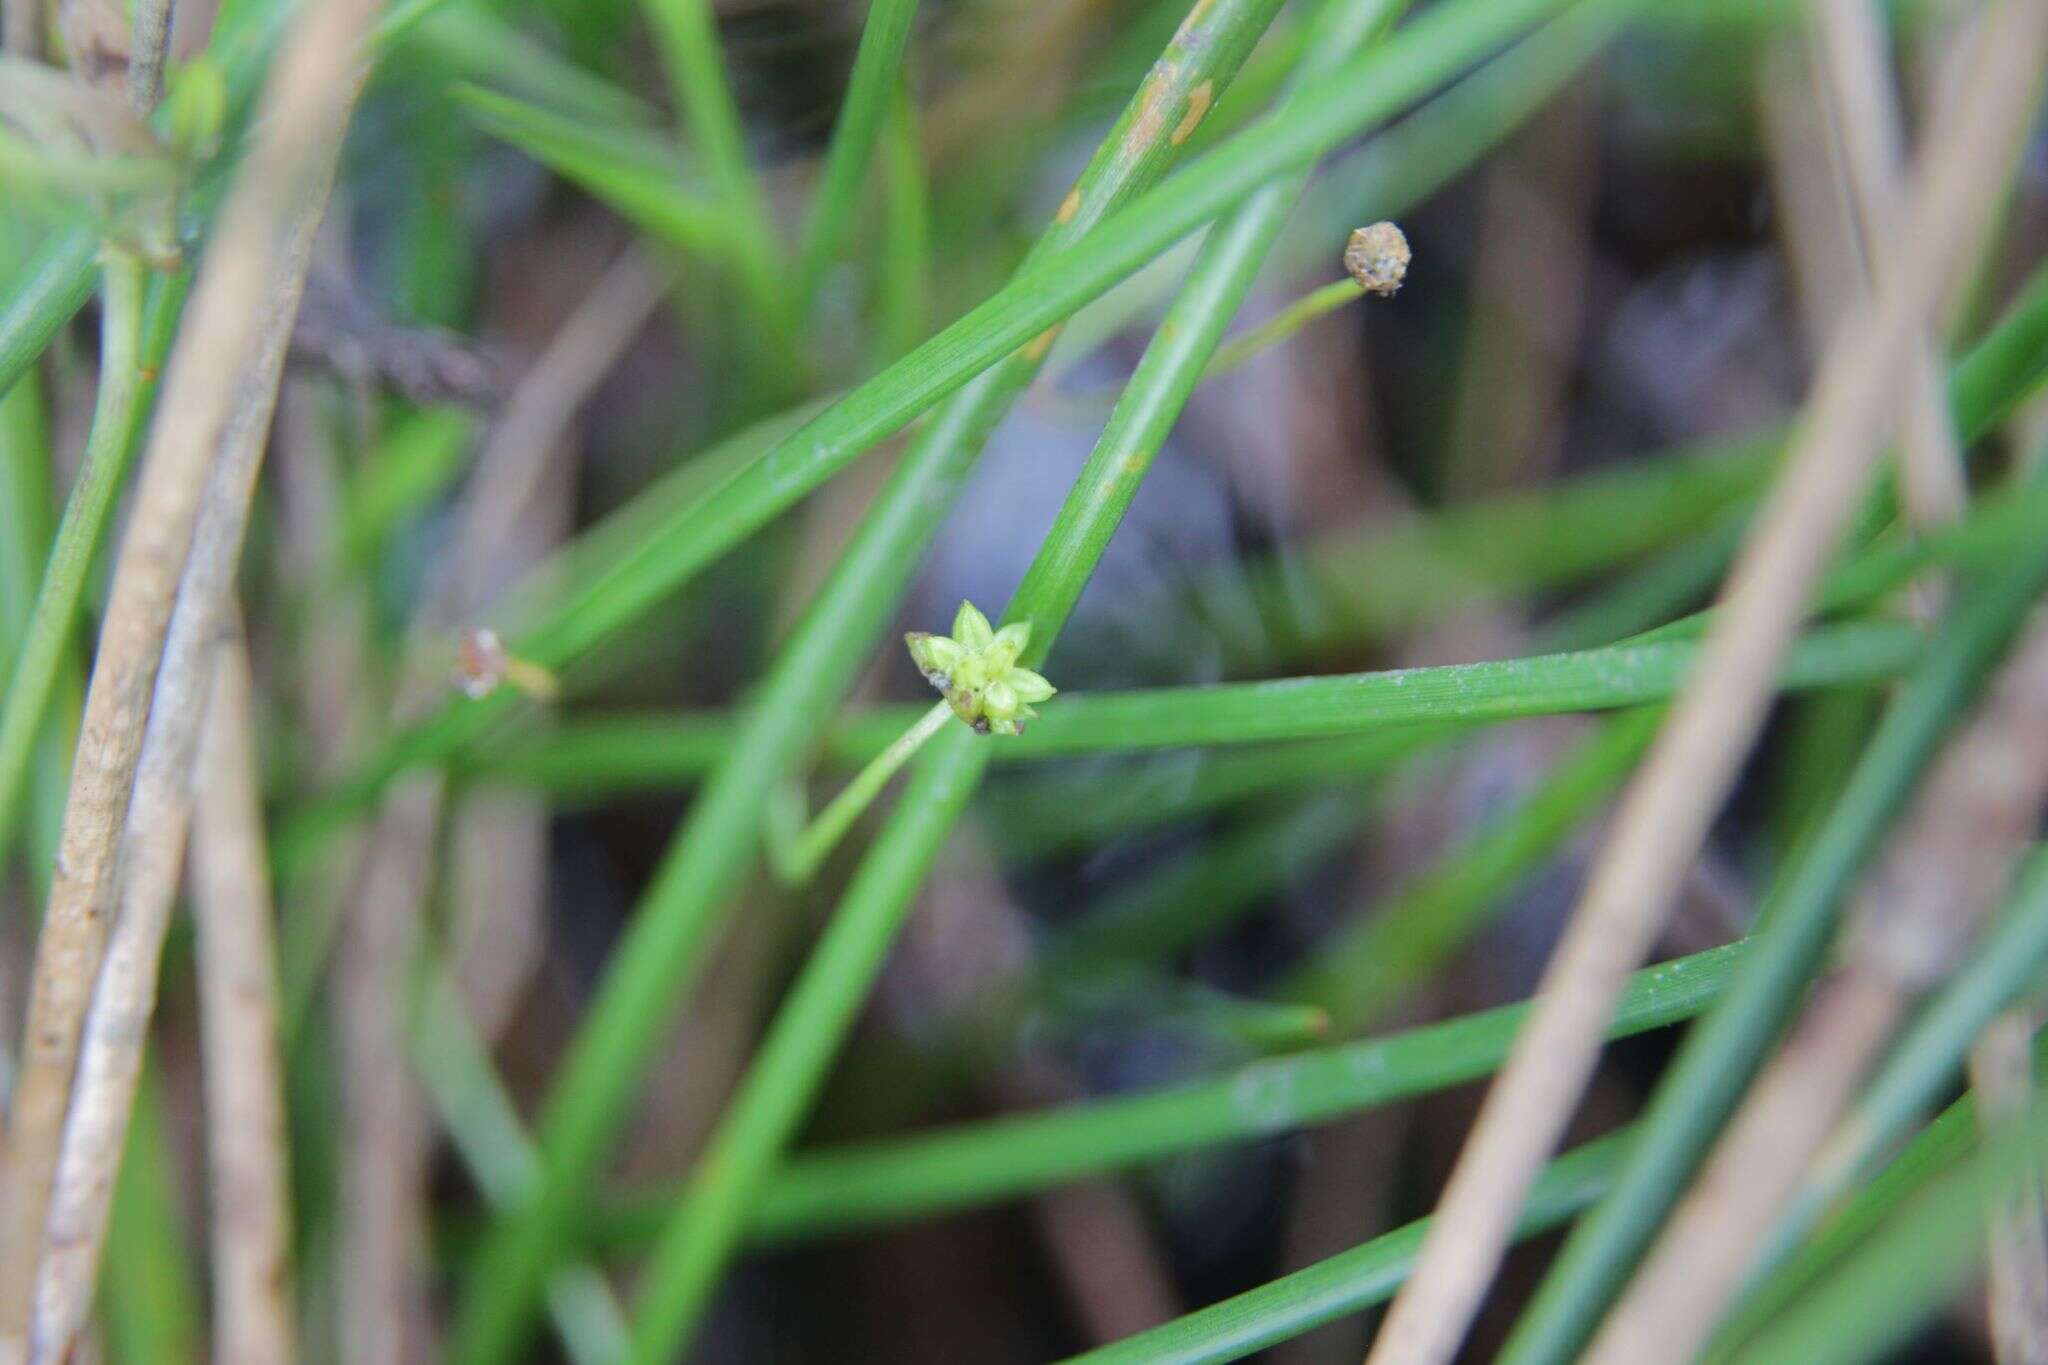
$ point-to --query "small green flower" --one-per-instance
(975, 668)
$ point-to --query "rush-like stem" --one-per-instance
(797, 858)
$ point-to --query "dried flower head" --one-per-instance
(1377, 257)
(482, 663)
(975, 668)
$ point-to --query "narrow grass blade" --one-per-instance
(687, 35)
(870, 91)
(869, 1184)
(632, 169)
(117, 415)
(1361, 974)
(1351, 1281)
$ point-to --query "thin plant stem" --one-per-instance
(149, 38)
(2001, 1069)
(158, 817)
(1257, 340)
(484, 1128)
(305, 111)
(1717, 716)
(871, 92)
(1865, 139)
(687, 35)
(247, 1163)
(797, 853)
(882, 1182)
(28, 509)
(903, 277)
(86, 513)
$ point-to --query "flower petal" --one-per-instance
(999, 700)
(935, 656)
(1029, 686)
(1014, 637)
(971, 628)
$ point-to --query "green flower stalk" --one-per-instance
(975, 669)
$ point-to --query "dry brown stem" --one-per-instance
(238, 1025)
(2016, 1240)
(152, 850)
(1863, 122)
(305, 108)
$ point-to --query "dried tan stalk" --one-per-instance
(1941, 879)
(520, 509)
(238, 1027)
(149, 38)
(2016, 1238)
(1811, 204)
(1866, 141)
(159, 814)
(1664, 817)
(509, 513)
(384, 1308)
(298, 134)
(21, 28)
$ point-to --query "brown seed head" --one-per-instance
(1377, 257)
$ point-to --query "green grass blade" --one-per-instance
(27, 509)
(870, 1184)
(117, 416)
(1351, 1281)
(903, 272)
(687, 35)
(1711, 1070)
(1360, 974)
(870, 92)
(1188, 899)
(1617, 677)
(1402, 710)
(469, 42)
(631, 169)
(45, 293)
(149, 1284)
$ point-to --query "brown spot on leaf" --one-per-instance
(1151, 117)
(1198, 105)
(1069, 206)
